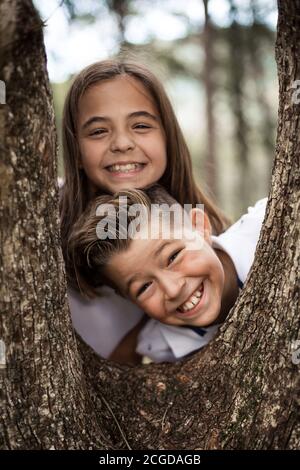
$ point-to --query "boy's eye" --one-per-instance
(143, 288)
(173, 257)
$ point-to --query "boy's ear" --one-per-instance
(201, 223)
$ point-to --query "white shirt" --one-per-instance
(166, 343)
(103, 321)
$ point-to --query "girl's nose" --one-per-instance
(122, 142)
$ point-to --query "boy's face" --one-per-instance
(178, 281)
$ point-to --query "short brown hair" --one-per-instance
(87, 254)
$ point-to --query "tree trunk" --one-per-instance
(45, 402)
(242, 391)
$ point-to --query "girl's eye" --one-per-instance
(143, 288)
(173, 257)
(142, 126)
(98, 132)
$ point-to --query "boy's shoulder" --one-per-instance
(240, 240)
(250, 220)
(168, 343)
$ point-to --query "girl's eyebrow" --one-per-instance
(94, 119)
(143, 114)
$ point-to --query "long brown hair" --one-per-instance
(178, 178)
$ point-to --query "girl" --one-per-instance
(119, 132)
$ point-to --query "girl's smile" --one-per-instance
(125, 169)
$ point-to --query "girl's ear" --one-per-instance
(201, 223)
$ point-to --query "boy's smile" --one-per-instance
(178, 281)
(193, 303)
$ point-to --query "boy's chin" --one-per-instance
(205, 319)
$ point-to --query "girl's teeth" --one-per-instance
(124, 168)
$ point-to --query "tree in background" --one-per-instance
(236, 40)
(259, 39)
(209, 83)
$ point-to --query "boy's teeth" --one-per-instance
(192, 301)
(125, 168)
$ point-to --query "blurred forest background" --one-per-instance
(216, 60)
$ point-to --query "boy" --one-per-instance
(186, 280)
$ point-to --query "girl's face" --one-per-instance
(120, 135)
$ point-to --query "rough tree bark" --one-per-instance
(242, 391)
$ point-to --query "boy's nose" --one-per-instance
(173, 284)
(122, 142)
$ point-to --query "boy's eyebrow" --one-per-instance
(93, 119)
(135, 276)
(162, 246)
(130, 281)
